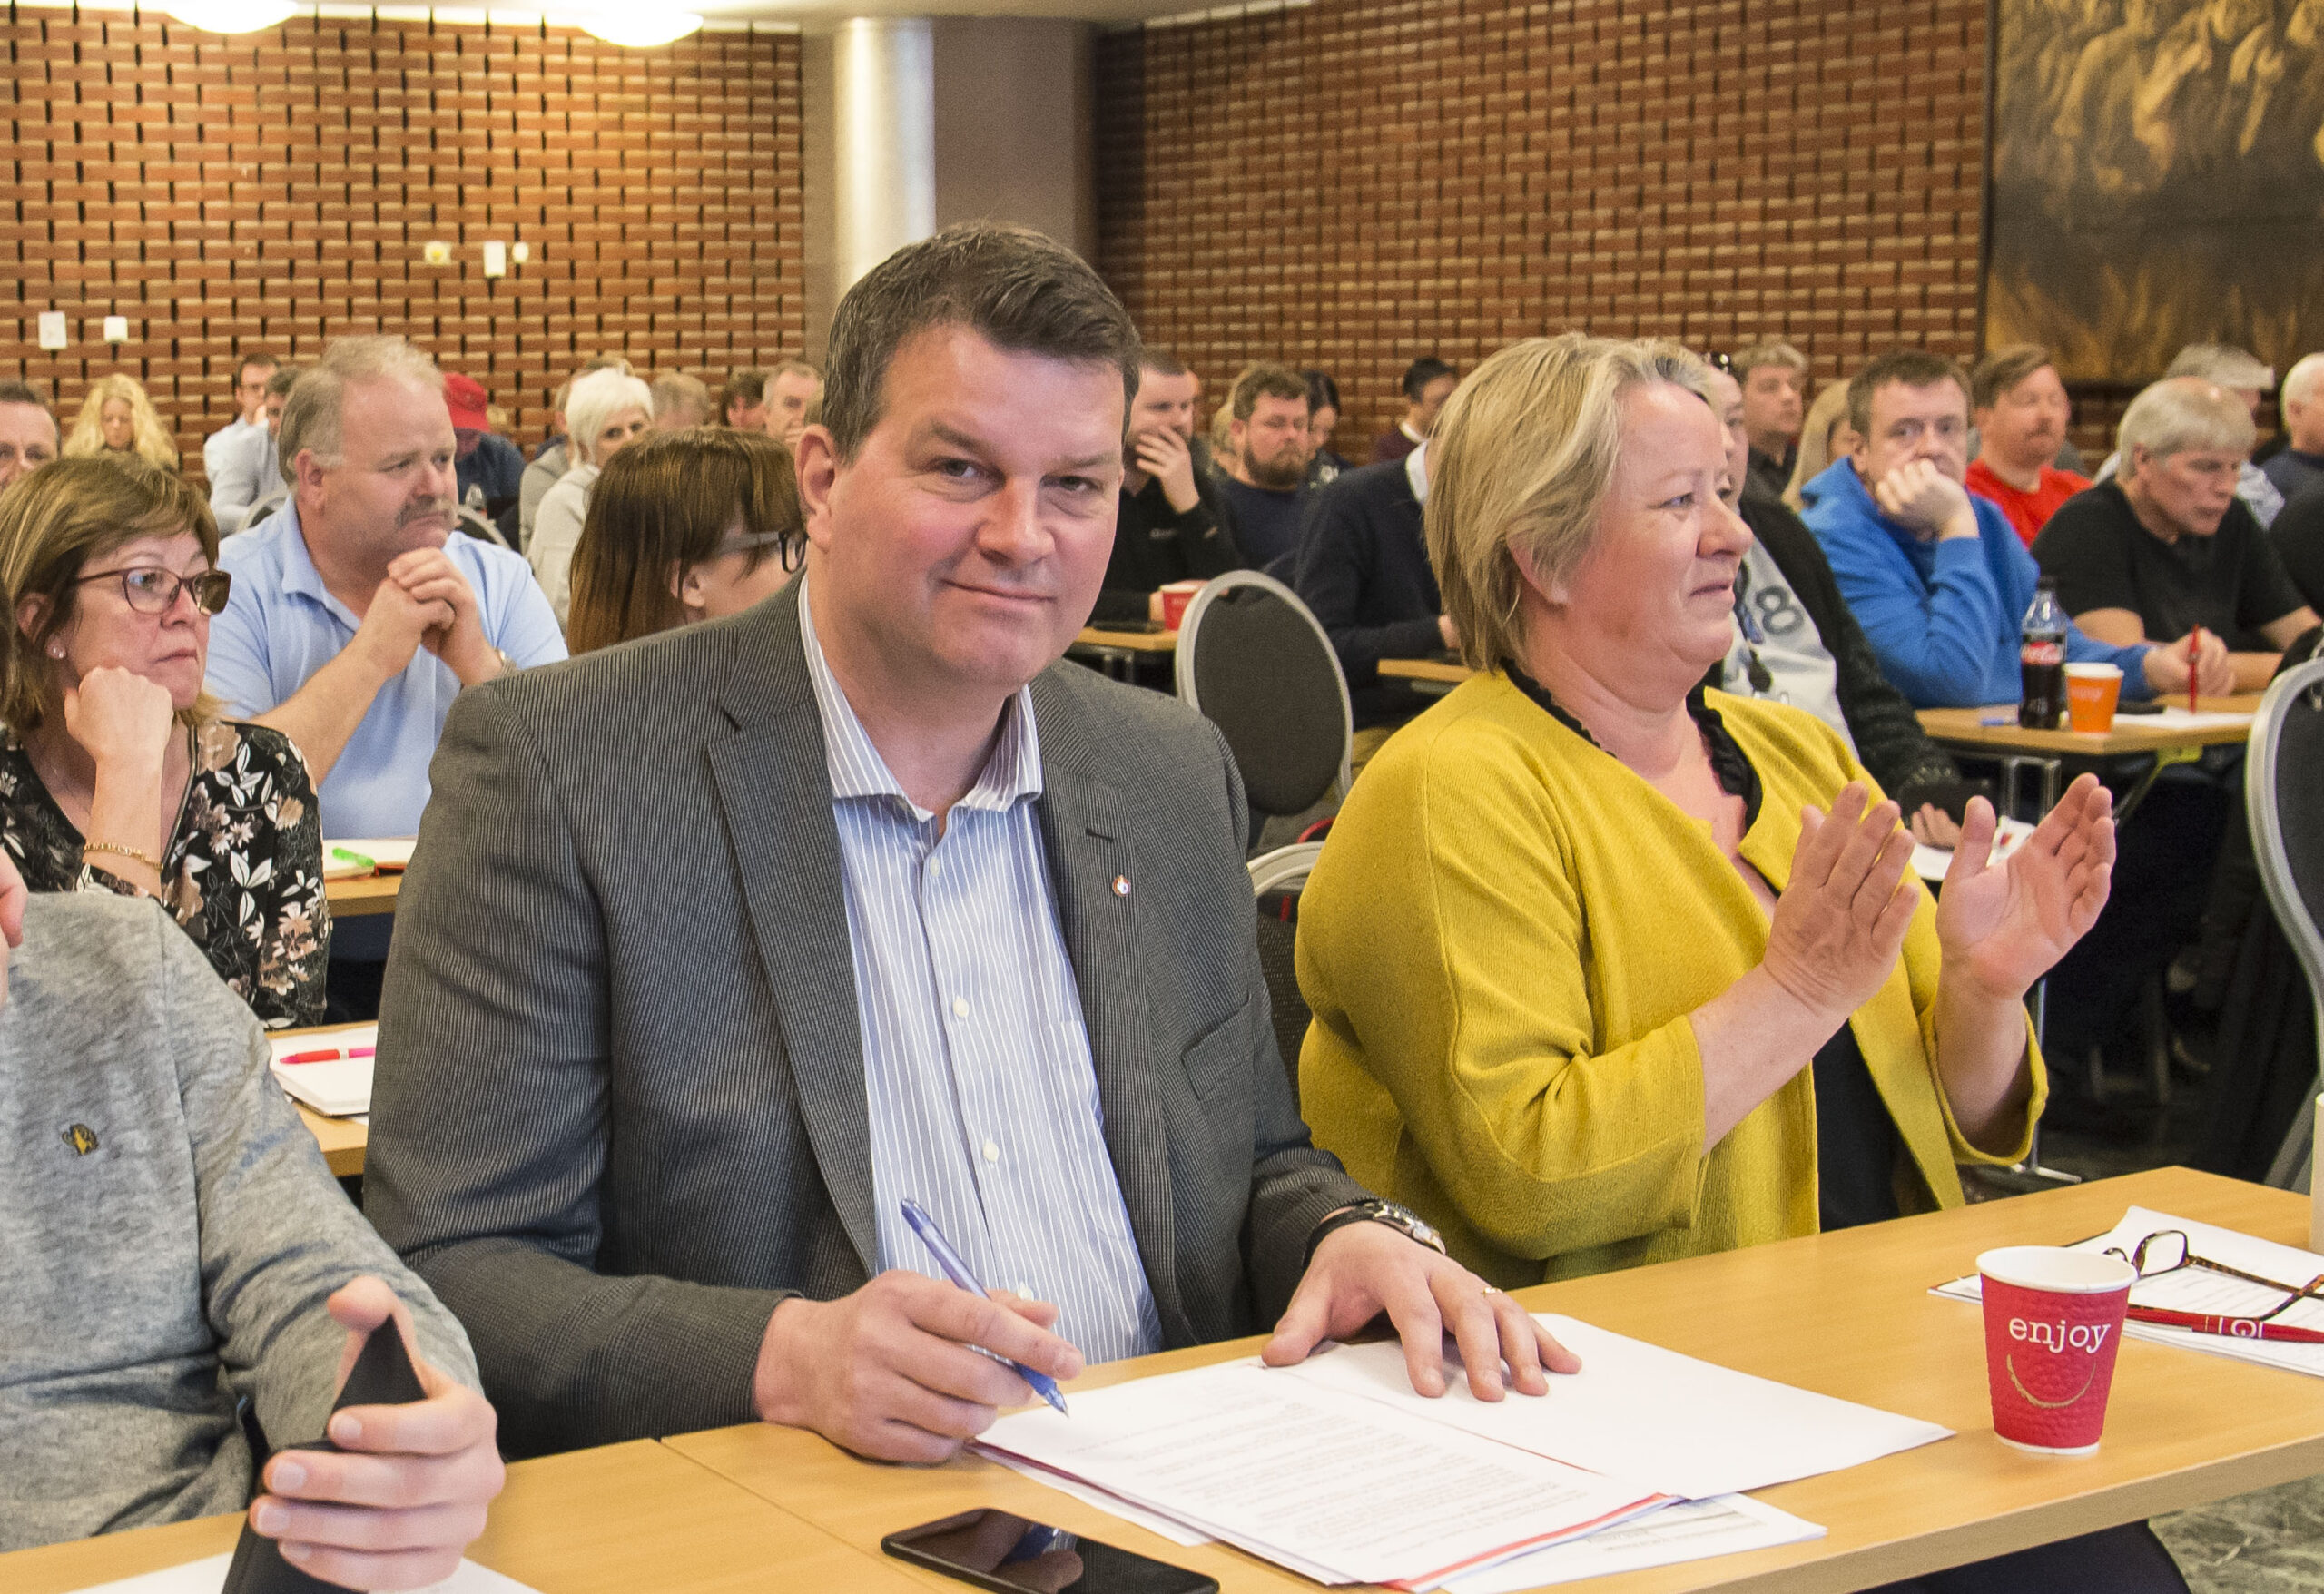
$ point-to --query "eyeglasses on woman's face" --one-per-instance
(152, 589)
(790, 547)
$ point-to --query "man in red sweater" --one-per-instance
(2021, 412)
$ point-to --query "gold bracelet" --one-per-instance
(148, 860)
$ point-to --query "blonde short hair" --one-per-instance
(1521, 459)
(2178, 414)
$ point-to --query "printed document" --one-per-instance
(1684, 1530)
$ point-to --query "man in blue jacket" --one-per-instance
(1934, 574)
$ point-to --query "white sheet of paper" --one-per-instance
(1680, 1426)
(1338, 1486)
(1686, 1530)
(2178, 719)
(337, 1090)
(209, 1576)
(1931, 863)
(1169, 1528)
(2195, 1290)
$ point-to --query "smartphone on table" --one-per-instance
(994, 1550)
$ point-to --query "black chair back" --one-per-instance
(1253, 659)
(2283, 794)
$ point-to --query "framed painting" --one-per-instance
(2157, 173)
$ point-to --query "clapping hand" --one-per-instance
(2003, 928)
(1841, 920)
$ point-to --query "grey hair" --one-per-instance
(318, 401)
(2178, 414)
(2224, 363)
(595, 400)
(2304, 383)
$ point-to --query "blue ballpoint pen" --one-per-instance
(957, 1270)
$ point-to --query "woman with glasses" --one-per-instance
(685, 526)
(117, 773)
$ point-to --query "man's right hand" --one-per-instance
(889, 1371)
(1165, 456)
(1927, 500)
(394, 625)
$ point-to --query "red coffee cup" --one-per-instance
(1176, 596)
(2054, 1323)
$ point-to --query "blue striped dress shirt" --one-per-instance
(976, 1061)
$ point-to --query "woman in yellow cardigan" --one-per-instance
(1607, 969)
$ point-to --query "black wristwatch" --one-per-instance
(1372, 1209)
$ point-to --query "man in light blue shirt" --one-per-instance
(1934, 574)
(356, 616)
(249, 392)
(245, 467)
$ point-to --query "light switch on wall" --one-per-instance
(436, 252)
(520, 251)
(496, 258)
(116, 328)
(52, 328)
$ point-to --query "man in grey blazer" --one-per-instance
(721, 945)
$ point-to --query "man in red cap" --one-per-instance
(491, 468)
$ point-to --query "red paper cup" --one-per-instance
(1176, 596)
(2054, 1323)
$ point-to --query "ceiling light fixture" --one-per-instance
(233, 16)
(633, 26)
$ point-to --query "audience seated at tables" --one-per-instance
(1934, 574)
(553, 458)
(1428, 383)
(793, 390)
(489, 470)
(1825, 436)
(1323, 420)
(1262, 489)
(1502, 1037)
(683, 527)
(741, 401)
(1363, 571)
(118, 774)
(1774, 376)
(27, 431)
(1167, 526)
(357, 618)
(251, 374)
(2248, 378)
(680, 402)
(2300, 464)
(2165, 545)
(2299, 536)
(1796, 643)
(908, 908)
(2021, 412)
(177, 1246)
(605, 411)
(246, 469)
(117, 419)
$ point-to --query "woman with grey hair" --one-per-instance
(605, 410)
(1607, 969)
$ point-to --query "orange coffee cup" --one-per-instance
(2091, 692)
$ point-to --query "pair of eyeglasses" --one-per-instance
(151, 590)
(2167, 1251)
(790, 547)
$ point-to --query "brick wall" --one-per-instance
(1359, 181)
(274, 190)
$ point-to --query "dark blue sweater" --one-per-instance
(1364, 570)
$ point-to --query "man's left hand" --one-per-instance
(406, 1492)
(1365, 1268)
(430, 575)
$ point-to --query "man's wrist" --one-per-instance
(1372, 1209)
(1181, 500)
(774, 1389)
(481, 662)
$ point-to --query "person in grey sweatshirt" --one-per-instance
(173, 1245)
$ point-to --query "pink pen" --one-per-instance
(332, 1056)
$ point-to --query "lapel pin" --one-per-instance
(80, 1140)
(1121, 885)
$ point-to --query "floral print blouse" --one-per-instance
(242, 873)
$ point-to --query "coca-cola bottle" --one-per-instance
(2042, 661)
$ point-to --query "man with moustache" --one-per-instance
(1265, 488)
(357, 618)
(1166, 528)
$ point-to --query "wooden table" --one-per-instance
(342, 1139)
(598, 1521)
(1848, 1314)
(363, 894)
(1119, 650)
(2043, 753)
